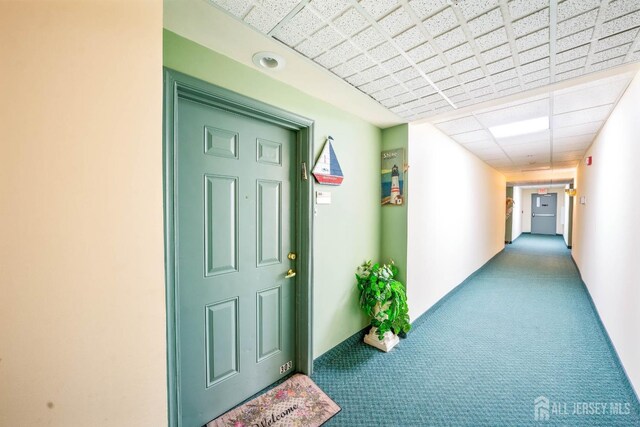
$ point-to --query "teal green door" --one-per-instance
(235, 229)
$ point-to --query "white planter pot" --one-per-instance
(390, 340)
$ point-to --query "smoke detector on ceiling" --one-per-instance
(269, 61)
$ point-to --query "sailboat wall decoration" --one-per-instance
(327, 169)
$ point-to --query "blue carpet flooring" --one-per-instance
(521, 327)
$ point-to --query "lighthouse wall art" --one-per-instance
(392, 178)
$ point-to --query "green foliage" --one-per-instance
(383, 298)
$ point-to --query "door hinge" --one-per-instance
(305, 177)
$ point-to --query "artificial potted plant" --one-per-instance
(384, 299)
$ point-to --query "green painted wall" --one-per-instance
(394, 218)
(347, 232)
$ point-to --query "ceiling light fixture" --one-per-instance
(520, 128)
(269, 61)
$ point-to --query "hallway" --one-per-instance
(521, 327)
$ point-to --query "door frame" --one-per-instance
(181, 86)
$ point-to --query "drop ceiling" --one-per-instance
(576, 114)
(423, 58)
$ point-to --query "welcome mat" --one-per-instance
(296, 402)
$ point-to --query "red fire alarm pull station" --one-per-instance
(588, 161)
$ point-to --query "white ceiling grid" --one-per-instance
(420, 58)
(576, 115)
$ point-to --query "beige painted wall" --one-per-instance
(82, 317)
(606, 232)
(456, 216)
(516, 229)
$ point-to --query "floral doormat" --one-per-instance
(296, 402)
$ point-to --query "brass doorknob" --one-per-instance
(290, 273)
(292, 256)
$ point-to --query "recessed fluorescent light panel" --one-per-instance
(520, 128)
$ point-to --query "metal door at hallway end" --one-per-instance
(543, 213)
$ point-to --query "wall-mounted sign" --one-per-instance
(327, 169)
(392, 177)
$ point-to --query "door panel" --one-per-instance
(234, 228)
(543, 213)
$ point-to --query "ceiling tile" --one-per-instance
(327, 37)
(572, 140)
(441, 22)
(396, 22)
(345, 51)
(570, 8)
(504, 75)
(440, 74)
(406, 97)
(350, 22)
(373, 73)
(447, 83)
(535, 66)
(383, 52)
(483, 145)
(487, 22)
(620, 24)
(476, 135)
(424, 8)
(532, 40)
(408, 74)
(534, 54)
(415, 83)
(635, 56)
(571, 65)
(587, 115)
(474, 8)
(458, 53)
(619, 8)
(457, 99)
(237, 8)
(424, 91)
(328, 59)
(261, 20)
(503, 64)
(356, 80)
(540, 147)
(457, 90)
(497, 53)
(390, 102)
(569, 74)
(570, 54)
(410, 38)
(477, 84)
(577, 24)
(537, 83)
(465, 65)
(606, 64)
(531, 23)
(360, 63)
(520, 8)
(492, 39)
(309, 48)
(378, 8)
(343, 70)
(288, 34)
(611, 53)
(420, 53)
(574, 40)
(536, 75)
(368, 38)
(431, 64)
(306, 21)
(372, 87)
(487, 90)
(450, 39)
(471, 75)
(506, 84)
(509, 91)
(616, 40)
(514, 113)
(329, 8)
(395, 64)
